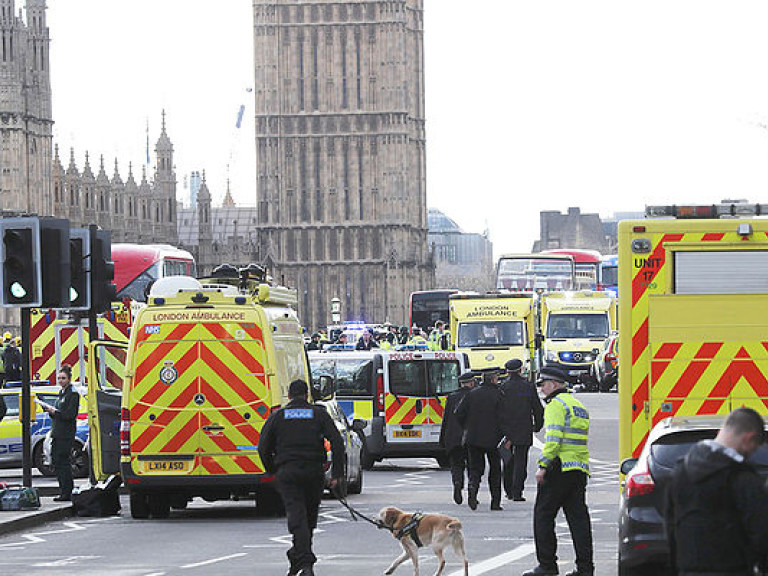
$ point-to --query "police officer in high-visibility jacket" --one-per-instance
(291, 444)
(562, 477)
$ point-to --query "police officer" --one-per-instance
(438, 338)
(314, 342)
(481, 414)
(63, 426)
(452, 435)
(291, 445)
(562, 477)
(525, 415)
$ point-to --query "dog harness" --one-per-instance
(411, 529)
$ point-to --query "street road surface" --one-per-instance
(229, 538)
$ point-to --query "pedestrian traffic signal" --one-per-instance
(21, 270)
(79, 269)
(103, 291)
(54, 258)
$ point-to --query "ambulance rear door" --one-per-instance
(106, 368)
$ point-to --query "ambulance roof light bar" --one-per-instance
(735, 209)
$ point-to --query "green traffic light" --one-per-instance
(72, 294)
(18, 291)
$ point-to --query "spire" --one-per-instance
(56, 159)
(87, 172)
(72, 169)
(228, 201)
(116, 177)
(163, 145)
(203, 195)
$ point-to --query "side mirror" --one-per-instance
(539, 341)
(359, 425)
(627, 465)
(322, 389)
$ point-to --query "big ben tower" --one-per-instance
(341, 179)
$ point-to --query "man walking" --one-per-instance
(481, 415)
(452, 435)
(717, 504)
(525, 415)
(562, 477)
(291, 445)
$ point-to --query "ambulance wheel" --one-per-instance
(366, 459)
(356, 486)
(159, 506)
(79, 459)
(139, 505)
(39, 461)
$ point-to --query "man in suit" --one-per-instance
(525, 415)
(452, 434)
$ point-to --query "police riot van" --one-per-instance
(573, 328)
(494, 328)
(204, 369)
(400, 394)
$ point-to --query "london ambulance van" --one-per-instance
(401, 395)
(204, 370)
(494, 328)
(573, 327)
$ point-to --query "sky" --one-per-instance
(530, 106)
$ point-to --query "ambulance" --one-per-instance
(693, 315)
(573, 327)
(400, 395)
(493, 328)
(204, 368)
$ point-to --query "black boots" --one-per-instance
(472, 499)
(457, 497)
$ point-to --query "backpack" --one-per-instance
(100, 500)
(19, 498)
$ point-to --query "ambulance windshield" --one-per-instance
(577, 326)
(490, 333)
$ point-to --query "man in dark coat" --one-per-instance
(524, 414)
(452, 435)
(482, 416)
(717, 504)
(12, 362)
(63, 427)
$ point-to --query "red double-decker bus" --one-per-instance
(137, 266)
(587, 266)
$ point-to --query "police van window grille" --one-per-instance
(407, 378)
(443, 376)
(721, 272)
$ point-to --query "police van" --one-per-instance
(401, 395)
(204, 369)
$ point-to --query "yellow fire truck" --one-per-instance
(573, 327)
(494, 328)
(693, 315)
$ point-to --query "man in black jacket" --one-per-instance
(717, 504)
(482, 416)
(525, 415)
(452, 434)
(63, 427)
(291, 445)
(12, 362)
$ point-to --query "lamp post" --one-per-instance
(335, 310)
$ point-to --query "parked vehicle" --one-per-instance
(606, 367)
(353, 447)
(642, 542)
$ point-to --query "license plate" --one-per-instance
(406, 434)
(167, 465)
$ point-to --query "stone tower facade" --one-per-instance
(340, 144)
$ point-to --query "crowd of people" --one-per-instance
(387, 338)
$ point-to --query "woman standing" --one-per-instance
(64, 422)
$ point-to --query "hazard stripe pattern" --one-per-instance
(411, 410)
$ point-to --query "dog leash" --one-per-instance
(356, 514)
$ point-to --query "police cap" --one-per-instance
(297, 389)
(467, 376)
(513, 365)
(551, 374)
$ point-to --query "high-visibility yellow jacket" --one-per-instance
(566, 429)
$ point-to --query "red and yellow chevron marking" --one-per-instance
(405, 410)
(686, 377)
(224, 363)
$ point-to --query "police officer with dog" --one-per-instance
(291, 447)
(562, 477)
(452, 435)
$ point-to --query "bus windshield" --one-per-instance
(482, 334)
(527, 274)
(578, 326)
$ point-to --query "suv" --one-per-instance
(642, 542)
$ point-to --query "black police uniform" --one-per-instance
(63, 430)
(291, 444)
(451, 438)
(481, 415)
(524, 415)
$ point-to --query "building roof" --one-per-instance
(437, 221)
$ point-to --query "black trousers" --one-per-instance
(458, 457)
(516, 470)
(61, 451)
(301, 488)
(477, 457)
(566, 490)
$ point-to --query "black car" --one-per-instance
(642, 542)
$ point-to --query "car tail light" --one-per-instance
(639, 483)
(380, 392)
(610, 359)
(125, 432)
(82, 416)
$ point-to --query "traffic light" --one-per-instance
(54, 258)
(21, 270)
(79, 269)
(103, 291)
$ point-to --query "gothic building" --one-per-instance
(341, 178)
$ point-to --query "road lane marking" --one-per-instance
(214, 560)
(498, 561)
(64, 561)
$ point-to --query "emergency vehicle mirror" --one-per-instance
(359, 425)
(322, 388)
(627, 465)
